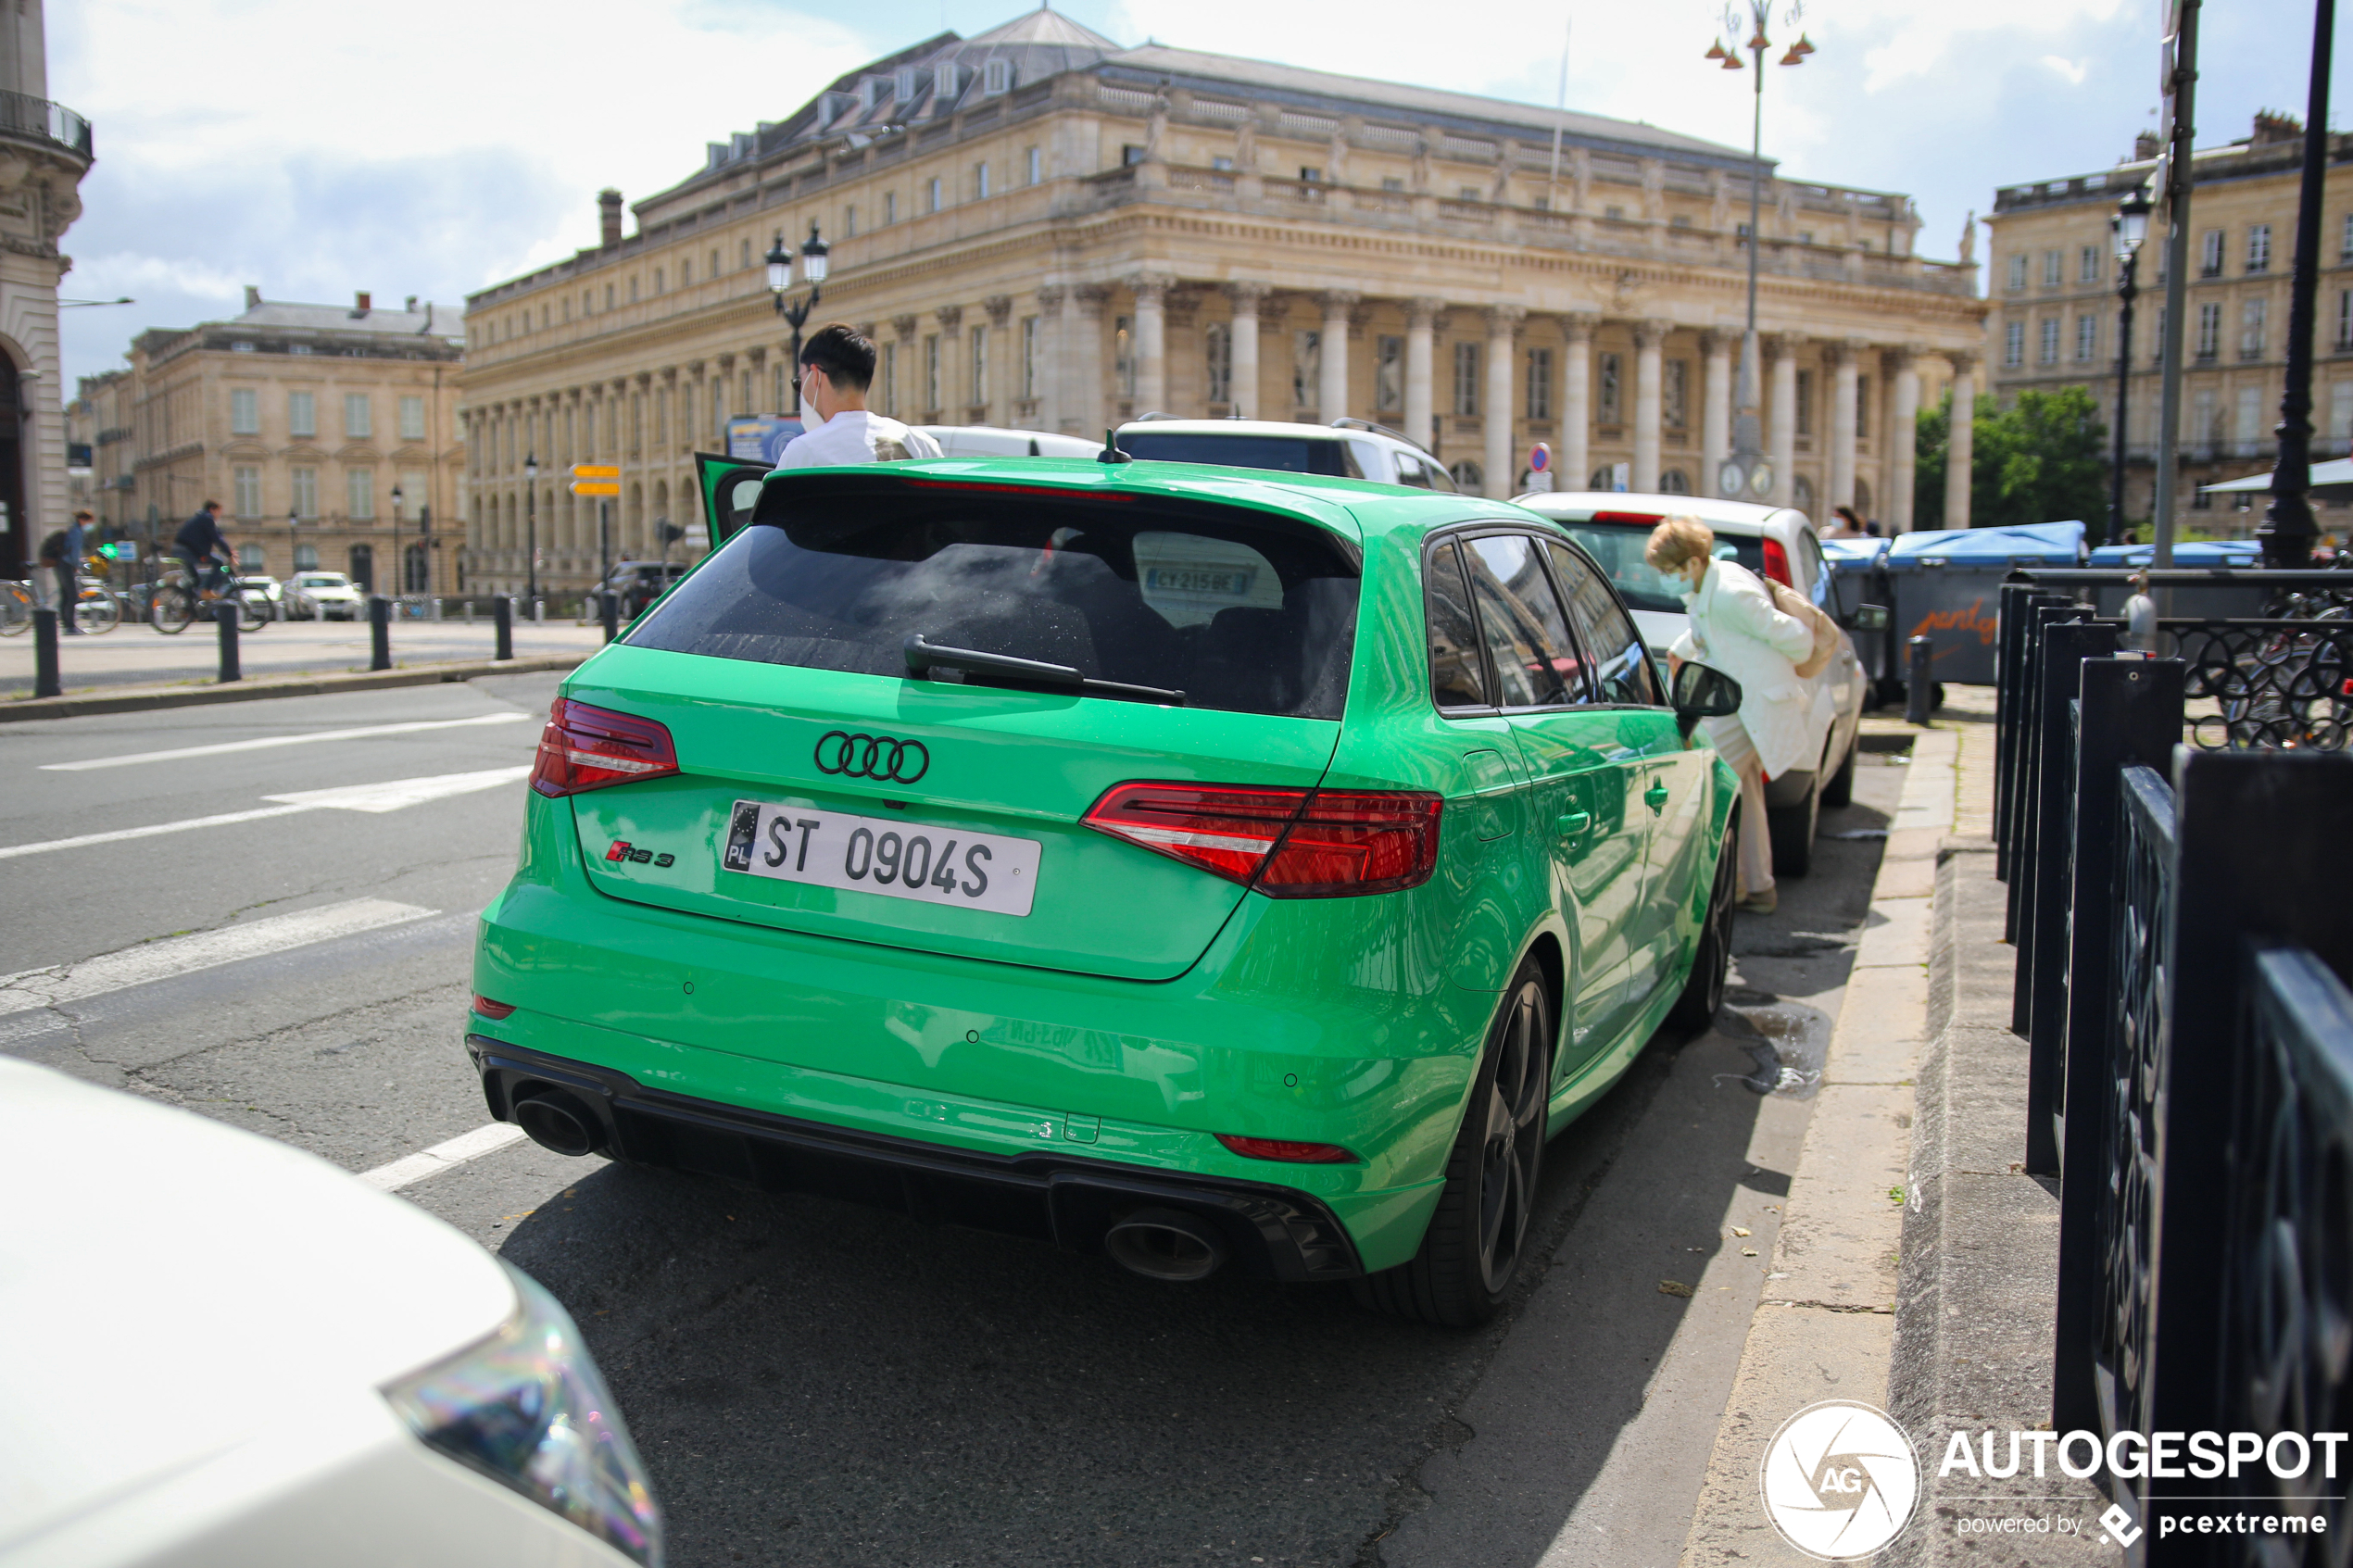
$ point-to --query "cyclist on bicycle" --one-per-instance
(197, 539)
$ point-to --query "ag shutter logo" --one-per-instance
(1840, 1480)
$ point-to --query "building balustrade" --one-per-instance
(38, 119)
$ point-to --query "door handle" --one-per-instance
(1655, 798)
(1573, 824)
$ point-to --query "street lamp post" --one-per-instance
(1748, 473)
(2130, 227)
(531, 536)
(813, 264)
(395, 535)
(2287, 529)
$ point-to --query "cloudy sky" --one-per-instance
(313, 150)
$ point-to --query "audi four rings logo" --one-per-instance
(879, 758)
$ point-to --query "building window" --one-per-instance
(1467, 380)
(2088, 335)
(1131, 153)
(931, 194)
(979, 357)
(891, 208)
(250, 558)
(931, 373)
(686, 273)
(849, 215)
(657, 285)
(1389, 375)
(413, 418)
(980, 182)
(996, 76)
(2087, 265)
(1033, 165)
(2251, 324)
(245, 488)
(2344, 320)
(2210, 330)
(889, 369)
(1675, 394)
(1608, 400)
(1804, 396)
(1310, 175)
(609, 295)
(1471, 194)
(714, 271)
(2204, 416)
(1306, 367)
(2340, 411)
(361, 501)
(1863, 402)
(1674, 482)
(2209, 254)
(2251, 418)
(2051, 275)
(1469, 478)
(1540, 383)
(2018, 268)
(302, 414)
(305, 500)
(2259, 247)
(743, 258)
(1217, 345)
(1391, 184)
(2049, 352)
(245, 413)
(306, 558)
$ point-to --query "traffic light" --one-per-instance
(671, 532)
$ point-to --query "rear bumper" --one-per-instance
(1275, 1233)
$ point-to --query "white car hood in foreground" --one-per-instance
(172, 1287)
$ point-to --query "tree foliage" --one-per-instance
(2038, 460)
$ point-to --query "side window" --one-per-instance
(1363, 459)
(1810, 562)
(1455, 679)
(1411, 472)
(1528, 640)
(1439, 478)
(1621, 667)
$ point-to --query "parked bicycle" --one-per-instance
(97, 610)
(16, 604)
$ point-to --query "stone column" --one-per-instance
(1902, 434)
(954, 388)
(1049, 357)
(1842, 356)
(1575, 459)
(1002, 351)
(1502, 457)
(1151, 292)
(1421, 320)
(1961, 445)
(1779, 353)
(1332, 390)
(1082, 376)
(1242, 338)
(1648, 337)
(1716, 409)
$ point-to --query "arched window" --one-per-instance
(306, 558)
(1469, 478)
(414, 576)
(1862, 497)
(1674, 482)
(363, 568)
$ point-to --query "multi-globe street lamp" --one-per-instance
(812, 265)
(1748, 473)
(2128, 227)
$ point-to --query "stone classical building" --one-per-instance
(330, 435)
(1042, 229)
(2056, 313)
(45, 151)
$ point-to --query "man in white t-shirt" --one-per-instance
(837, 367)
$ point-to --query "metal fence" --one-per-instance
(2180, 916)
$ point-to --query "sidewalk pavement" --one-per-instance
(133, 656)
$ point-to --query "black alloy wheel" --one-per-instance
(1471, 1253)
(1702, 993)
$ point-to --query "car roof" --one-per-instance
(1289, 430)
(1740, 517)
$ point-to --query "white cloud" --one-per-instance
(2072, 70)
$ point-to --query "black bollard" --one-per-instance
(224, 616)
(379, 631)
(502, 613)
(1919, 688)
(609, 606)
(44, 654)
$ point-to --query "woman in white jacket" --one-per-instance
(1734, 628)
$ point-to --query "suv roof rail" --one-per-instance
(1350, 422)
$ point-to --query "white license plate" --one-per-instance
(893, 857)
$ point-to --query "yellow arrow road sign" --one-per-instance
(594, 487)
(595, 471)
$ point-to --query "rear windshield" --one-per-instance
(1235, 613)
(1290, 453)
(1617, 546)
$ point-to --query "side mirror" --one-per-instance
(1703, 693)
(1868, 618)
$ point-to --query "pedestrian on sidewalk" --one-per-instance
(60, 560)
(1734, 627)
(1845, 524)
(837, 367)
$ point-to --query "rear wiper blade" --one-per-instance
(924, 657)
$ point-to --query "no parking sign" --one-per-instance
(1540, 467)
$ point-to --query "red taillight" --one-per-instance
(1285, 843)
(1648, 520)
(1777, 564)
(585, 747)
(1284, 1149)
(489, 1008)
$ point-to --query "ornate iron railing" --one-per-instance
(23, 115)
(2281, 684)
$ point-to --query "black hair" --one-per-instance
(846, 355)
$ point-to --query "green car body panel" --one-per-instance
(1143, 1005)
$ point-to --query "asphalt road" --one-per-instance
(817, 1383)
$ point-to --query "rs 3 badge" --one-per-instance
(623, 851)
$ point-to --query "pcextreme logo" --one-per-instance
(1840, 1480)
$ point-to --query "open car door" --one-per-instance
(730, 488)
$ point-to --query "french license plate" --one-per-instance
(893, 857)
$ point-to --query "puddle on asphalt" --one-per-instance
(1789, 1042)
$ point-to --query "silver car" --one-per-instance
(1344, 449)
(323, 595)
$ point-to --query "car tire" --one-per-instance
(1712, 958)
(1792, 832)
(1472, 1252)
(1840, 791)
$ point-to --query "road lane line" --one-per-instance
(442, 1157)
(175, 956)
(390, 796)
(267, 740)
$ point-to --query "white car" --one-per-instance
(1344, 449)
(995, 441)
(226, 1353)
(323, 595)
(261, 588)
(1774, 542)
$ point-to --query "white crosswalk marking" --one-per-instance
(390, 796)
(175, 956)
(487, 1140)
(266, 742)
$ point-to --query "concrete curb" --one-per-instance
(141, 701)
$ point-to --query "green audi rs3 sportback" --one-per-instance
(1213, 868)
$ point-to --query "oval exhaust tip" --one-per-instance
(1165, 1244)
(557, 1122)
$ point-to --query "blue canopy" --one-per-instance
(2030, 544)
(2202, 553)
(1854, 555)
